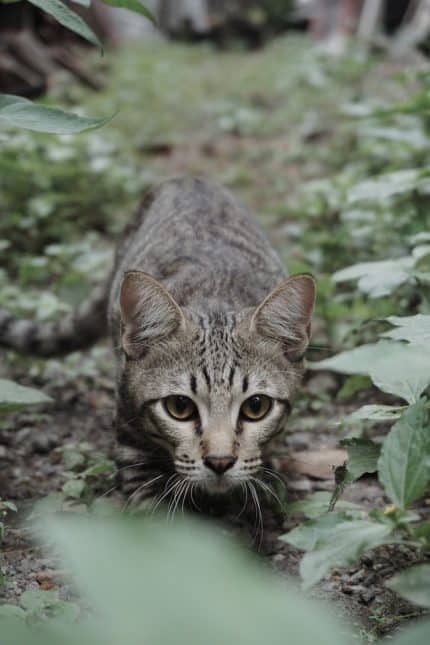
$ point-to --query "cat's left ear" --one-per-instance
(285, 315)
(149, 314)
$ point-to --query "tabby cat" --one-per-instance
(209, 336)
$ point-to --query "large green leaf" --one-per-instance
(396, 368)
(338, 547)
(204, 584)
(413, 584)
(414, 329)
(353, 361)
(418, 634)
(132, 5)
(21, 113)
(67, 18)
(377, 279)
(403, 466)
(16, 397)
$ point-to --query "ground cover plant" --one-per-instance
(334, 159)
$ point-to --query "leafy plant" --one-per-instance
(17, 397)
(18, 112)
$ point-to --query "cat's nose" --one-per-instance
(220, 465)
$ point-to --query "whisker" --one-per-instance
(193, 501)
(176, 498)
(139, 489)
(165, 492)
(245, 489)
(267, 489)
(259, 517)
(275, 475)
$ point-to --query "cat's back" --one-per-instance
(196, 238)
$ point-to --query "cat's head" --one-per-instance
(212, 390)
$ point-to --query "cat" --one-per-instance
(209, 335)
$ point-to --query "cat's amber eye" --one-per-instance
(180, 407)
(256, 407)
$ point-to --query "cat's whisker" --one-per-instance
(140, 489)
(176, 498)
(245, 490)
(193, 501)
(276, 476)
(259, 517)
(165, 492)
(267, 490)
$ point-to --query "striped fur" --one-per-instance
(199, 306)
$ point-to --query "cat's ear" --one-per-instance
(285, 315)
(149, 314)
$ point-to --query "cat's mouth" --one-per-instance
(219, 485)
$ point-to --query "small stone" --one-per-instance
(43, 444)
(358, 576)
(353, 589)
(367, 596)
(279, 557)
(300, 485)
(367, 560)
(370, 579)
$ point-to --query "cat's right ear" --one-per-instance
(149, 314)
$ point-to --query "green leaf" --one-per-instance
(149, 577)
(310, 535)
(68, 19)
(132, 5)
(352, 385)
(20, 113)
(385, 186)
(413, 584)
(363, 456)
(418, 634)
(403, 466)
(341, 547)
(16, 397)
(74, 488)
(377, 279)
(381, 362)
(354, 361)
(375, 413)
(414, 329)
(318, 504)
(12, 611)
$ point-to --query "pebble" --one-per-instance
(44, 443)
(353, 589)
(367, 596)
(358, 576)
(300, 485)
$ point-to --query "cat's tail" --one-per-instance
(77, 330)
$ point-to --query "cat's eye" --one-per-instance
(256, 407)
(180, 407)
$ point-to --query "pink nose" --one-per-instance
(220, 465)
